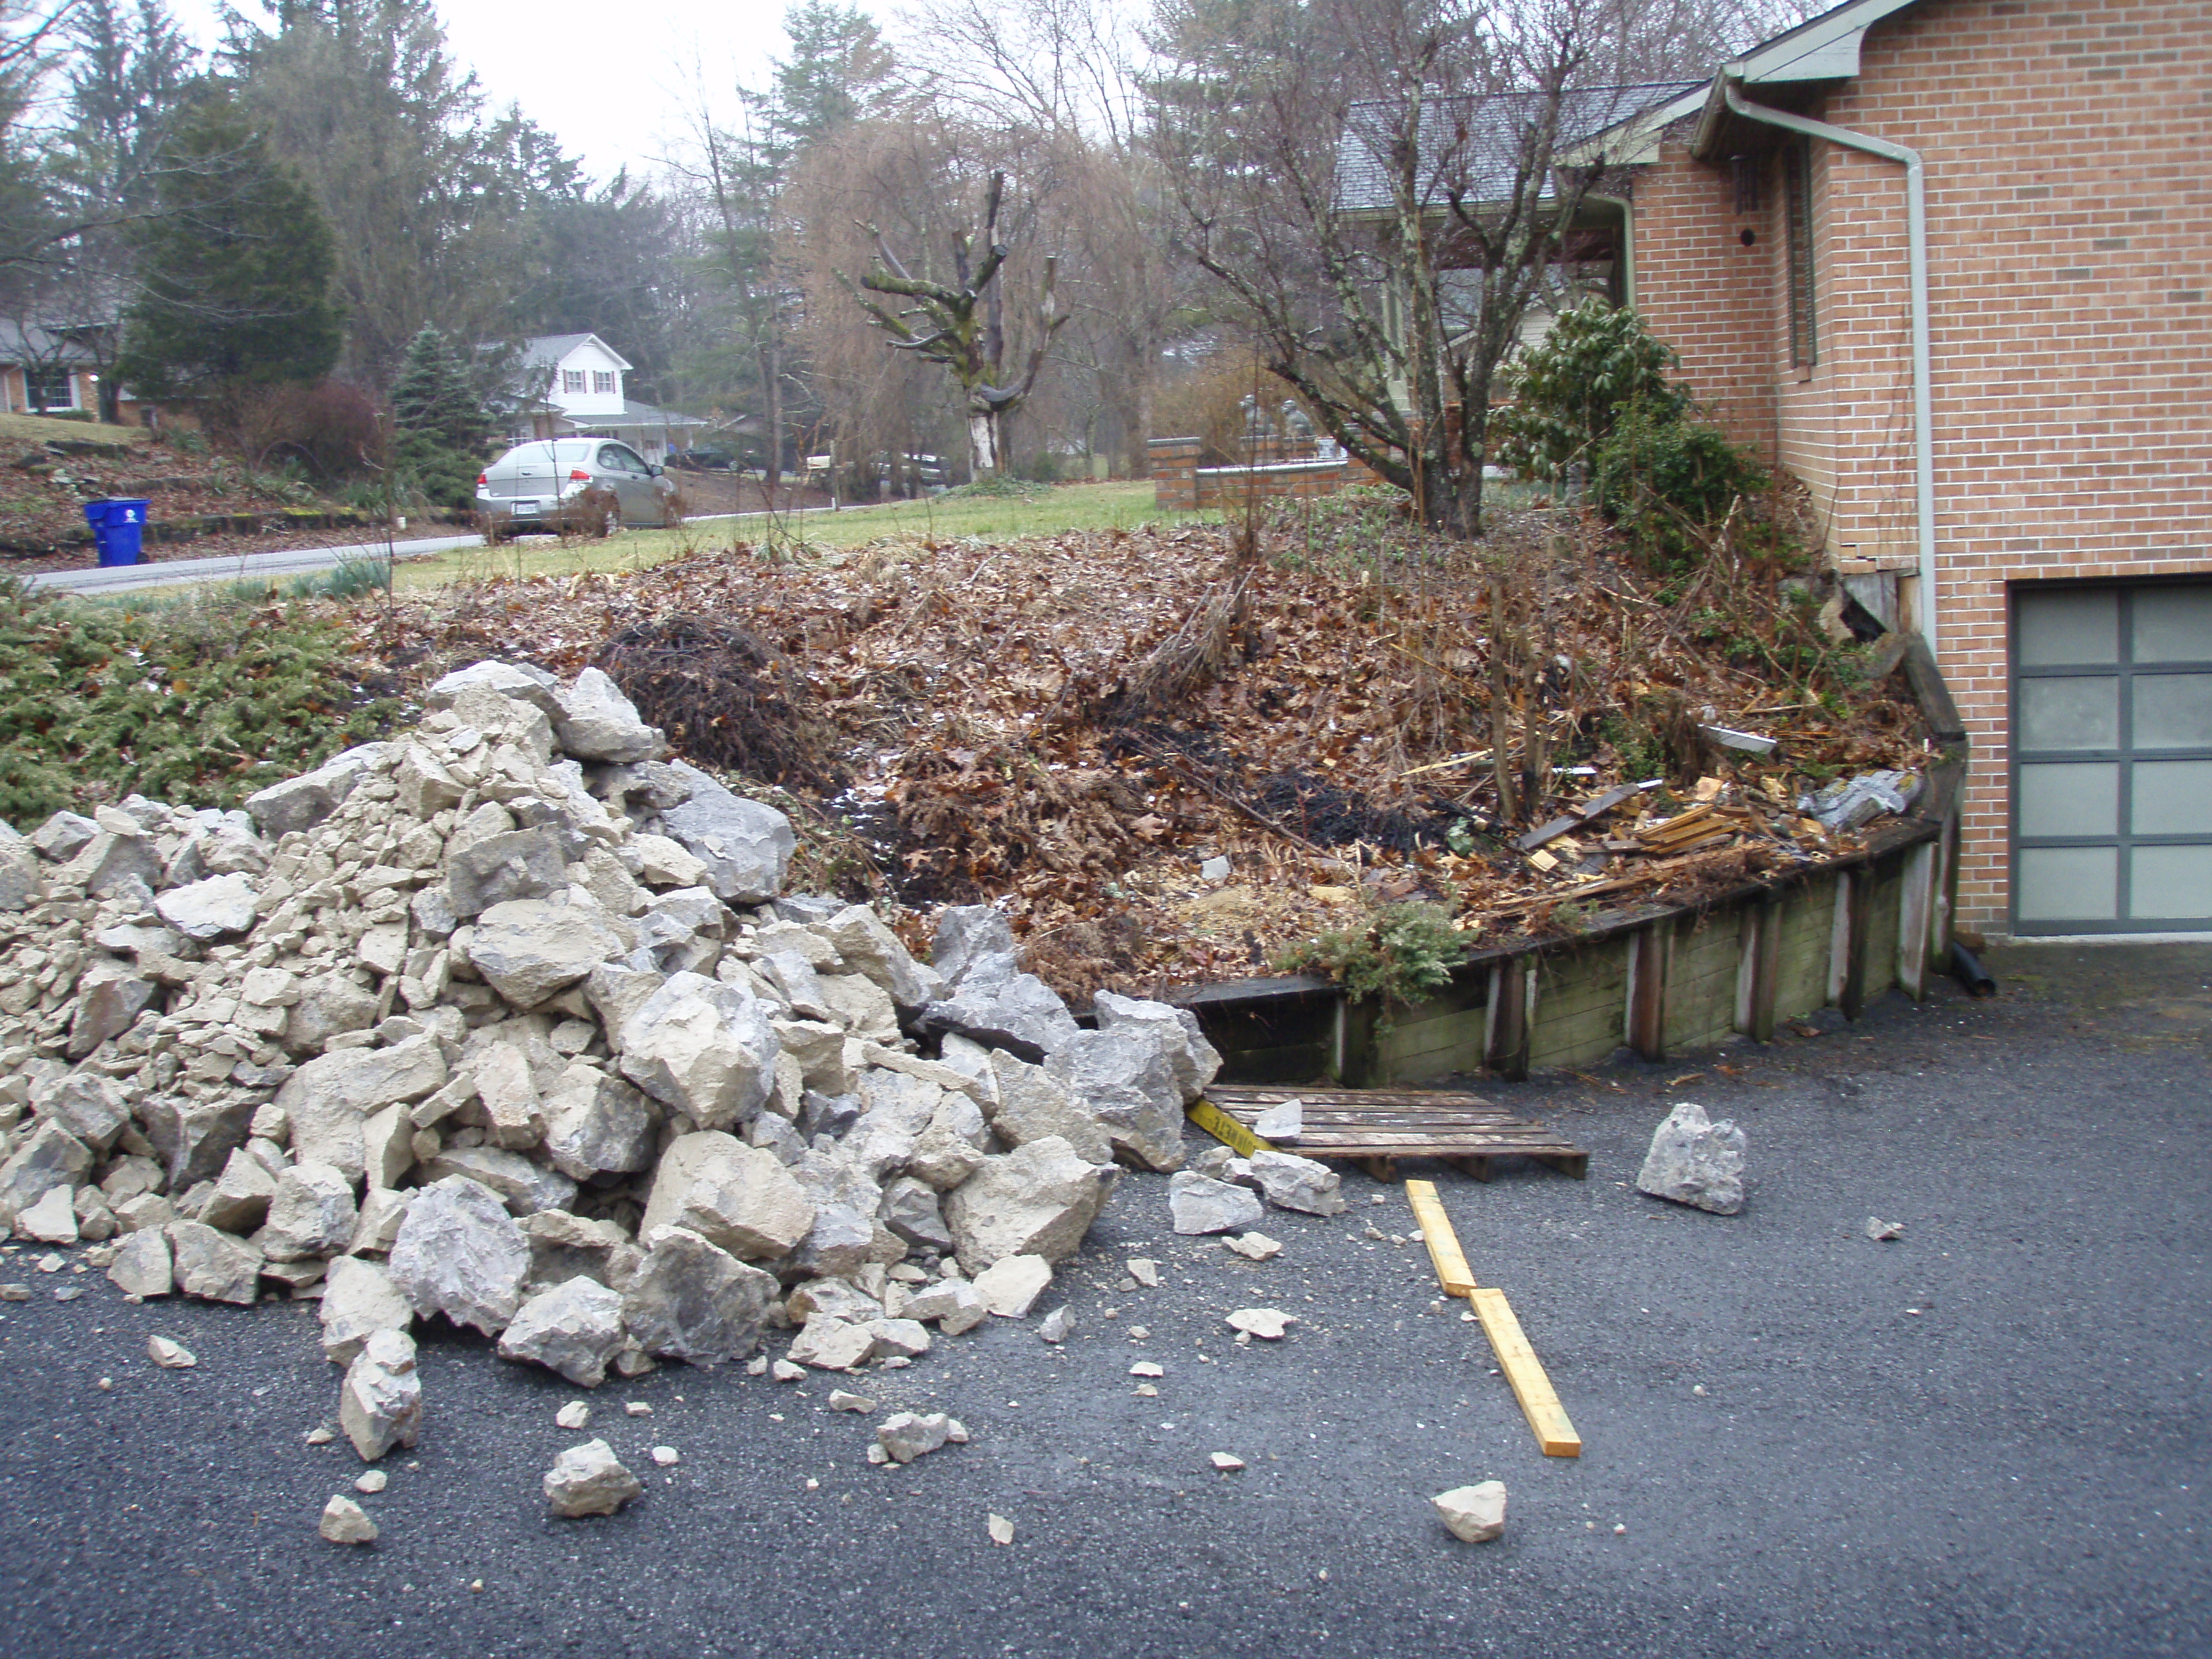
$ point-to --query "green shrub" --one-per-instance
(1665, 480)
(1571, 389)
(198, 703)
(1405, 951)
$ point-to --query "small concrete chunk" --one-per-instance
(345, 1521)
(589, 1480)
(906, 1436)
(359, 1299)
(1268, 1324)
(170, 1356)
(380, 1402)
(1011, 1286)
(141, 1268)
(1475, 1514)
(1199, 1205)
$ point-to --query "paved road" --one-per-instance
(1988, 1439)
(238, 566)
(293, 561)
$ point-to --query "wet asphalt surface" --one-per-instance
(1989, 1437)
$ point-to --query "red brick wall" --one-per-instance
(2071, 312)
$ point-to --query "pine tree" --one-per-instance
(236, 270)
(440, 425)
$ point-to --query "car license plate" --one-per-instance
(524, 504)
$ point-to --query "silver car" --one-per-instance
(585, 485)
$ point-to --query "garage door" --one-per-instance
(2111, 722)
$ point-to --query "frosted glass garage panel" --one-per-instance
(2172, 711)
(2076, 798)
(2174, 625)
(2172, 797)
(2170, 884)
(2062, 629)
(2068, 883)
(2078, 711)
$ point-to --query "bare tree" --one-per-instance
(1384, 196)
(960, 324)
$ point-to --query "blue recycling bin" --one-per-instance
(116, 528)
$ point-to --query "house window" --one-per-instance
(572, 380)
(49, 387)
(1797, 188)
(603, 379)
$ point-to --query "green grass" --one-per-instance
(37, 428)
(1072, 507)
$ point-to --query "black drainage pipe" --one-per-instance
(1966, 968)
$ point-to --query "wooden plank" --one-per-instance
(1450, 1261)
(1226, 1129)
(1555, 1434)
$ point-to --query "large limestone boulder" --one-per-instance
(1125, 1080)
(745, 846)
(739, 1198)
(596, 1125)
(866, 945)
(575, 1328)
(310, 1213)
(594, 722)
(303, 802)
(703, 1048)
(1193, 1060)
(359, 1299)
(460, 1253)
(1038, 1200)
(1033, 1103)
(206, 910)
(1695, 1161)
(517, 864)
(692, 1301)
(529, 948)
(330, 1098)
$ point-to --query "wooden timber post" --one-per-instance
(1646, 1025)
(1859, 930)
(1512, 997)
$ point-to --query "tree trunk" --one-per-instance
(772, 374)
(982, 445)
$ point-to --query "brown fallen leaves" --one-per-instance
(1069, 725)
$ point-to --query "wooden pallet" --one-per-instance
(1377, 1126)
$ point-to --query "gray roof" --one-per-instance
(633, 414)
(1472, 144)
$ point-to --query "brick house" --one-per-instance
(2013, 452)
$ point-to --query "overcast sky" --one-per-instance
(609, 81)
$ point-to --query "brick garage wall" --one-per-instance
(2071, 323)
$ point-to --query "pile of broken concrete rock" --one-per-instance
(508, 1020)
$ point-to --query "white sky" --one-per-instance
(610, 81)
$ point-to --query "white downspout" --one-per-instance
(1916, 235)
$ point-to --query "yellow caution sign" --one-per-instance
(1226, 1129)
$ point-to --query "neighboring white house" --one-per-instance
(571, 385)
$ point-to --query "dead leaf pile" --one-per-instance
(1072, 725)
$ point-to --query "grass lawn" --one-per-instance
(1070, 508)
(37, 428)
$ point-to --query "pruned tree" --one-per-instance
(960, 324)
(1383, 194)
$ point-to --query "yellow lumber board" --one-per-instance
(1452, 1271)
(1226, 1129)
(1554, 1434)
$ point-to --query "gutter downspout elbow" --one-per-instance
(1916, 232)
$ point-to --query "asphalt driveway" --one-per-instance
(1988, 1438)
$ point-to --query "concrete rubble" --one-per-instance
(507, 1022)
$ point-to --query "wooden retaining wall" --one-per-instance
(1656, 979)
